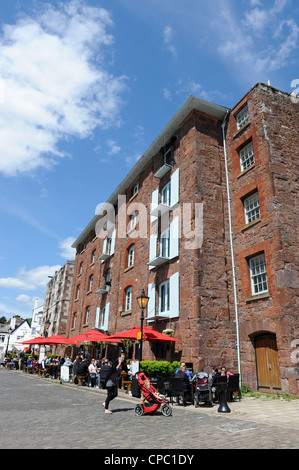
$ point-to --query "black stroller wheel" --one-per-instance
(138, 410)
(166, 410)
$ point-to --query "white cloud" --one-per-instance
(168, 37)
(114, 148)
(67, 251)
(54, 83)
(25, 299)
(29, 280)
(264, 40)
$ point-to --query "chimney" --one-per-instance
(12, 323)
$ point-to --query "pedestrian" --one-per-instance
(118, 366)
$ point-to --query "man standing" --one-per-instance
(111, 381)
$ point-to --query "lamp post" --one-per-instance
(142, 302)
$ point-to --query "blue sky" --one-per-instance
(86, 86)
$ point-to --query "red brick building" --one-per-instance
(168, 228)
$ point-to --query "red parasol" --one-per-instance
(33, 340)
(56, 339)
(149, 334)
(94, 336)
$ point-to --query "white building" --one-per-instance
(12, 333)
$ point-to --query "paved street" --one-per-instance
(40, 413)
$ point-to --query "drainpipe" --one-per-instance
(231, 247)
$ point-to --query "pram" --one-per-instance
(151, 400)
(202, 388)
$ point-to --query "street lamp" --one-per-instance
(142, 302)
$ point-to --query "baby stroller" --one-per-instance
(202, 388)
(151, 399)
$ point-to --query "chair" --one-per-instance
(176, 388)
(233, 385)
(163, 385)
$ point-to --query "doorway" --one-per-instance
(267, 363)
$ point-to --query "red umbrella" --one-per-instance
(33, 340)
(149, 334)
(56, 339)
(94, 336)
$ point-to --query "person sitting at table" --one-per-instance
(183, 364)
(182, 373)
(92, 369)
(30, 363)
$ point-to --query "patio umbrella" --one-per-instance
(56, 339)
(94, 336)
(33, 340)
(149, 334)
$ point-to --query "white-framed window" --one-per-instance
(131, 255)
(166, 194)
(135, 189)
(87, 314)
(105, 317)
(164, 299)
(258, 274)
(133, 220)
(252, 208)
(242, 117)
(128, 301)
(74, 320)
(246, 155)
(165, 244)
(90, 282)
(93, 256)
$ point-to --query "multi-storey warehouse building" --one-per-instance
(206, 223)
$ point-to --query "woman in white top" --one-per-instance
(92, 369)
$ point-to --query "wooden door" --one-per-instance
(267, 364)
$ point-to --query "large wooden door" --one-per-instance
(267, 364)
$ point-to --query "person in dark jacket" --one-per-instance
(82, 370)
(111, 381)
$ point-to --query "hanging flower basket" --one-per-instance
(168, 332)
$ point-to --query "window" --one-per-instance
(135, 189)
(103, 317)
(242, 117)
(93, 256)
(246, 156)
(77, 292)
(131, 254)
(74, 320)
(258, 274)
(165, 194)
(107, 280)
(90, 282)
(164, 297)
(133, 220)
(81, 268)
(165, 244)
(128, 305)
(252, 208)
(87, 313)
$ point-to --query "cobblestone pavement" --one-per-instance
(39, 413)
